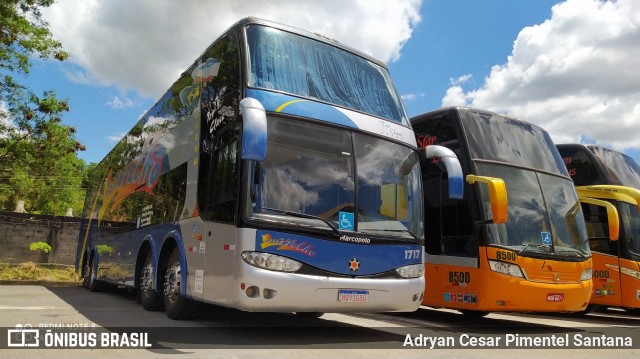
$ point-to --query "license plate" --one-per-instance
(353, 296)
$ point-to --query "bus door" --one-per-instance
(606, 266)
(220, 238)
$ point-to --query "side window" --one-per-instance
(598, 229)
(219, 98)
(170, 193)
(222, 191)
(449, 226)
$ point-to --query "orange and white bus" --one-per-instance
(515, 242)
(615, 177)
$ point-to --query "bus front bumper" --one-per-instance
(270, 291)
(524, 295)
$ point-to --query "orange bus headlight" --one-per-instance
(271, 261)
(586, 274)
(411, 271)
(506, 268)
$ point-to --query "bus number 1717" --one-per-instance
(411, 254)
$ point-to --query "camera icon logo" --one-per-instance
(23, 336)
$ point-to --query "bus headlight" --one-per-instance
(271, 261)
(411, 271)
(506, 268)
(586, 274)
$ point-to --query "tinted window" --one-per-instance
(448, 223)
(581, 166)
(499, 138)
(218, 74)
(312, 69)
(222, 193)
(622, 169)
(598, 229)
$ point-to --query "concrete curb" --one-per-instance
(44, 283)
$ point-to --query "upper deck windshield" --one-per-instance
(308, 68)
(623, 170)
(324, 178)
(545, 216)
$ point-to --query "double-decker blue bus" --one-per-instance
(278, 173)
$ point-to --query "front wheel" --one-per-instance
(177, 306)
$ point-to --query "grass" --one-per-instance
(32, 271)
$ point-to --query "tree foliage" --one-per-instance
(38, 153)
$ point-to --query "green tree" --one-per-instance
(38, 154)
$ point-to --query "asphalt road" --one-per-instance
(224, 333)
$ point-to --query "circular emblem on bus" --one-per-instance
(354, 264)
(556, 276)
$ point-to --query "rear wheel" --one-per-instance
(176, 306)
(149, 297)
(90, 280)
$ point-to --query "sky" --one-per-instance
(571, 67)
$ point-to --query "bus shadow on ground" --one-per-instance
(218, 327)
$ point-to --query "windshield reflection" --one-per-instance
(630, 220)
(309, 171)
(544, 213)
(304, 67)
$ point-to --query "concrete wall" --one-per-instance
(19, 230)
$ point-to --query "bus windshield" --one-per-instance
(498, 138)
(622, 169)
(307, 68)
(545, 216)
(312, 176)
(630, 219)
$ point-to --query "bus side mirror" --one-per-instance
(454, 170)
(497, 196)
(612, 215)
(254, 130)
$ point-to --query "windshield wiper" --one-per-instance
(395, 230)
(304, 215)
(534, 245)
(571, 250)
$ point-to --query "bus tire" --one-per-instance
(150, 298)
(176, 306)
(90, 280)
(473, 313)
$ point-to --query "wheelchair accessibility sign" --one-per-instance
(546, 238)
(346, 221)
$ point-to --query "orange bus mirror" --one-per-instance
(612, 215)
(497, 196)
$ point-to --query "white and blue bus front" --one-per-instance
(331, 211)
